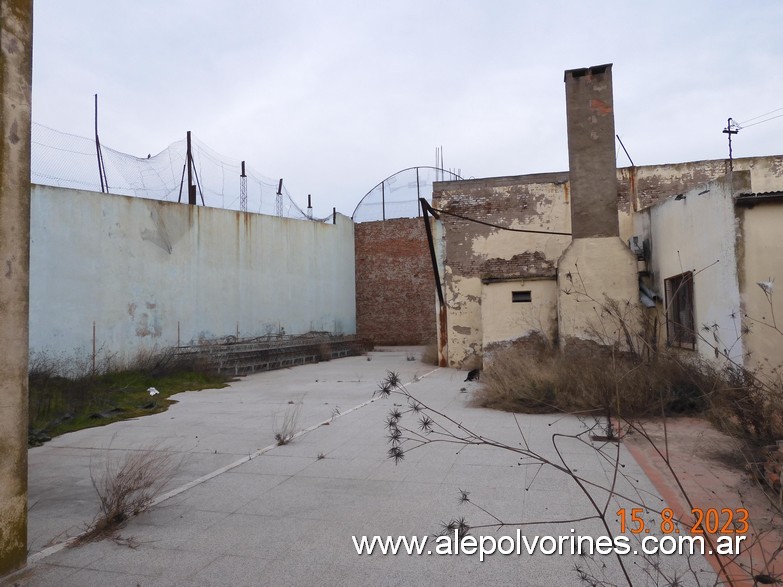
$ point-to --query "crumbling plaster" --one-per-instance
(698, 233)
(473, 252)
(542, 201)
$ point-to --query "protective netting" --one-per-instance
(70, 161)
(398, 195)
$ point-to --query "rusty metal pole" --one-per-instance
(191, 187)
(16, 69)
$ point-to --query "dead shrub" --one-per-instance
(748, 408)
(287, 427)
(126, 486)
(536, 377)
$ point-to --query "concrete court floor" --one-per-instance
(287, 517)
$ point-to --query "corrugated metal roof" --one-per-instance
(758, 198)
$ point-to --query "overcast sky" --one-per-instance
(336, 95)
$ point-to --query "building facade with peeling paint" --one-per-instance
(553, 254)
(502, 285)
(713, 255)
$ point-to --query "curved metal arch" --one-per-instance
(452, 177)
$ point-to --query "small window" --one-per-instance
(521, 296)
(680, 326)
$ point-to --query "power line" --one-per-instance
(760, 121)
(485, 223)
(761, 116)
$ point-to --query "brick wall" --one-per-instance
(395, 287)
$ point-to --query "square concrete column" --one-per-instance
(16, 61)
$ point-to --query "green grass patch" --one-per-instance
(60, 404)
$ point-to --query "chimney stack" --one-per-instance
(591, 152)
(604, 266)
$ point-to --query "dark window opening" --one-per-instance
(521, 296)
(680, 326)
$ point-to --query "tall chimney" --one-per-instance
(604, 266)
(591, 154)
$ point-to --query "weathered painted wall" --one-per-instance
(639, 188)
(594, 274)
(395, 284)
(473, 251)
(761, 259)
(16, 70)
(142, 269)
(698, 233)
(470, 251)
(503, 320)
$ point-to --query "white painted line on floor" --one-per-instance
(55, 548)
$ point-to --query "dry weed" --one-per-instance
(287, 427)
(126, 486)
(536, 377)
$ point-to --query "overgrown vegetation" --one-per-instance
(71, 395)
(538, 378)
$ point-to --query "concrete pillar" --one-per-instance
(16, 61)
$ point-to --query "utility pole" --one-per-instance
(732, 128)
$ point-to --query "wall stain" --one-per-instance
(159, 236)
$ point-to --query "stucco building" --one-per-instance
(538, 253)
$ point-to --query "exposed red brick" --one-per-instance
(395, 286)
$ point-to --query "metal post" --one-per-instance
(418, 193)
(98, 147)
(383, 201)
(279, 199)
(191, 187)
(243, 189)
